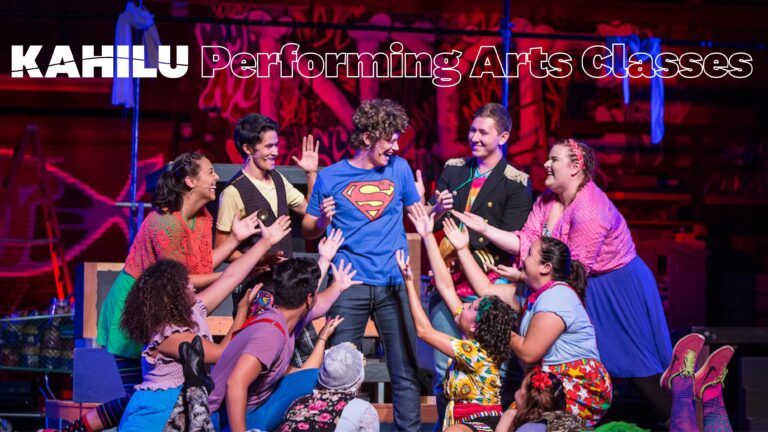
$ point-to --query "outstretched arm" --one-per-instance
(424, 224)
(475, 275)
(506, 240)
(309, 163)
(170, 346)
(241, 230)
(327, 249)
(238, 270)
(424, 329)
(313, 227)
(315, 360)
(342, 279)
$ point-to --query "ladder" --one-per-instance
(31, 138)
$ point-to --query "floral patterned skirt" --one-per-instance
(588, 388)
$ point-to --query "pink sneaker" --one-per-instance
(683, 359)
(713, 370)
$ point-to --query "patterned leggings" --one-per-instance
(684, 413)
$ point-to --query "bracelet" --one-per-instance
(458, 311)
(323, 339)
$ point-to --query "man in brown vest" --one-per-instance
(258, 187)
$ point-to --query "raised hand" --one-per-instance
(327, 210)
(330, 244)
(342, 276)
(511, 273)
(459, 238)
(244, 228)
(404, 263)
(443, 202)
(330, 327)
(272, 258)
(310, 160)
(423, 222)
(245, 303)
(420, 186)
(275, 232)
(472, 221)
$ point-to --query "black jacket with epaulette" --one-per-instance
(504, 201)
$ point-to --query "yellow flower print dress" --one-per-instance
(472, 377)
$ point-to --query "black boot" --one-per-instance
(192, 357)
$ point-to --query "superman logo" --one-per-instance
(371, 198)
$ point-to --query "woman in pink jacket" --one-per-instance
(622, 298)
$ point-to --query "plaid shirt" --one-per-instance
(305, 343)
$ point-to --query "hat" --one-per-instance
(343, 368)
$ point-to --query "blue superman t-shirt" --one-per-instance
(369, 210)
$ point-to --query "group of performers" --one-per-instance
(553, 284)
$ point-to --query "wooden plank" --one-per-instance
(428, 410)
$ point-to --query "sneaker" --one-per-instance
(713, 371)
(683, 359)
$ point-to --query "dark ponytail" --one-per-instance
(170, 189)
(564, 269)
(578, 279)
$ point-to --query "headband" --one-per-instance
(483, 307)
(576, 149)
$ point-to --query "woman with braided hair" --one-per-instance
(472, 382)
(622, 298)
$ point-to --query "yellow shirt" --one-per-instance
(231, 202)
(472, 377)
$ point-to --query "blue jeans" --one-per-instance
(389, 307)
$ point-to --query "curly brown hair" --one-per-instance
(538, 401)
(159, 297)
(588, 157)
(494, 327)
(380, 118)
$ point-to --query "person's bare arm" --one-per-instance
(506, 240)
(327, 249)
(313, 227)
(238, 270)
(424, 330)
(220, 238)
(315, 359)
(342, 279)
(241, 230)
(202, 281)
(475, 275)
(309, 163)
(245, 372)
(424, 224)
(543, 331)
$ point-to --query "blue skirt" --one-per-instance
(149, 410)
(632, 334)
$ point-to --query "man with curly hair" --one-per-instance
(364, 196)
